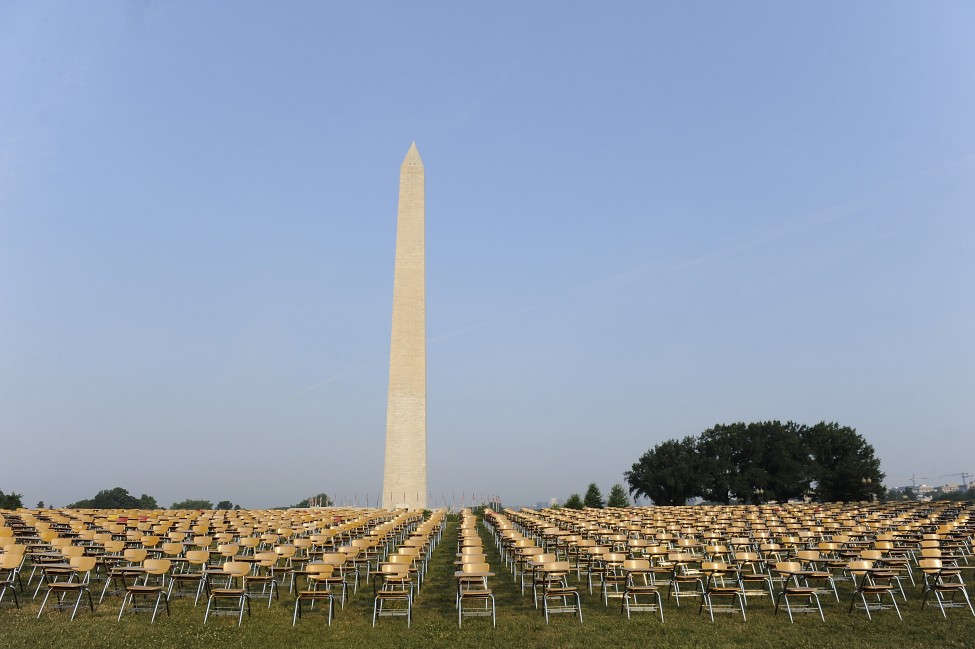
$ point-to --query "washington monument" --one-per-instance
(405, 474)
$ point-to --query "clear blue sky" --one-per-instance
(643, 219)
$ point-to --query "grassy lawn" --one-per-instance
(435, 623)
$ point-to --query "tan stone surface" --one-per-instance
(405, 473)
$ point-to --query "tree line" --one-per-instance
(11, 500)
(120, 498)
(760, 462)
(594, 498)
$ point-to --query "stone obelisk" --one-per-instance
(405, 474)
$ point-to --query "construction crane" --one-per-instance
(964, 477)
(914, 482)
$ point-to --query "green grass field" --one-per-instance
(435, 623)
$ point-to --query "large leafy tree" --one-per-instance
(758, 462)
(667, 474)
(843, 464)
(190, 503)
(774, 464)
(116, 498)
(753, 462)
(787, 460)
(718, 461)
(11, 500)
(593, 497)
